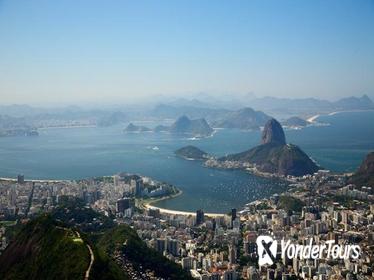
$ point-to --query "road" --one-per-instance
(92, 258)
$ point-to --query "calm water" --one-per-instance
(86, 152)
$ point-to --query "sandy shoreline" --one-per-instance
(35, 180)
(148, 205)
(184, 213)
(313, 118)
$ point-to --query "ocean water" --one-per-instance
(73, 153)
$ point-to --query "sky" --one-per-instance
(75, 51)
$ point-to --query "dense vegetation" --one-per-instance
(290, 203)
(191, 152)
(277, 158)
(44, 250)
(365, 174)
(49, 247)
(74, 213)
(126, 240)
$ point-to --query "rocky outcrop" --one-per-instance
(198, 127)
(365, 173)
(273, 133)
(183, 125)
(274, 155)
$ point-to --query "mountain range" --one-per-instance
(287, 107)
(213, 109)
(183, 126)
(245, 118)
(218, 110)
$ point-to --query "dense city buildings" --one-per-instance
(316, 208)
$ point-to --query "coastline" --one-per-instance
(35, 180)
(313, 118)
(67, 126)
(146, 204)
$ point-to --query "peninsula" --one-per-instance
(273, 157)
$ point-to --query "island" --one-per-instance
(197, 127)
(192, 153)
(273, 156)
(295, 122)
(183, 126)
(131, 128)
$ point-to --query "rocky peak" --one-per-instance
(367, 166)
(273, 133)
(365, 173)
(182, 121)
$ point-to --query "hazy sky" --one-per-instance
(72, 51)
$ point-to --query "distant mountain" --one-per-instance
(183, 125)
(135, 128)
(161, 128)
(197, 127)
(245, 118)
(364, 176)
(354, 103)
(192, 152)
(274, 155)
(111, 119)
(16, 126)
(192, 109)
(309, 106)
(295, 122)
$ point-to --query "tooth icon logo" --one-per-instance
(266, 249)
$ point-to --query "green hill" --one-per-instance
(290, 203)
(191, 152)
(364, 176)
(45, 250)
(74, 213)
(123, 238)
(55, 246)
